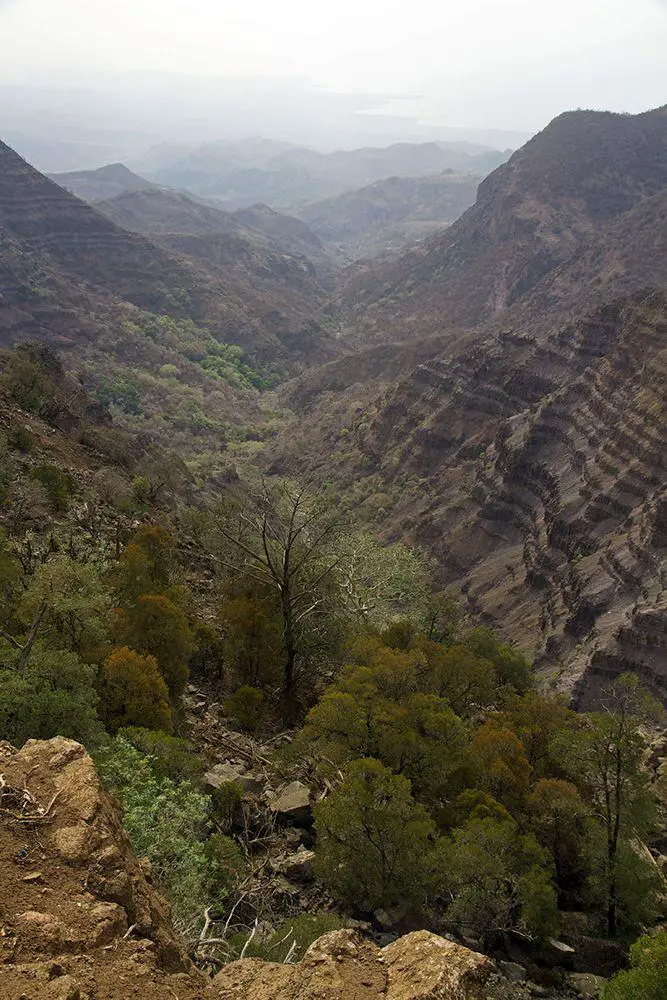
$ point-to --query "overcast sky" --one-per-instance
(509, 64)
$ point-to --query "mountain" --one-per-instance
(391, 214)
(105, 182)
(291, 177)
(532, 229)
(503, 401)
(122, 307)
(162, 211)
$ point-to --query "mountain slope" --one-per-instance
(539, 213)
(391, 214)
(85, 247)
(105, 182)
(507, 410)
(162, 211)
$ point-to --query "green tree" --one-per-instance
(380, 583)
(52, 694)
(146, 565)
(458, 674)
(499, 764)
(252, 640)
(76, 605)
(283, 539)
(560, 822)
(375, 845)
(154, 625)
(511, 666)
(538, 722)
(133, 692)
(646, 979)
(371, 712)
(606, 755)
(498, 880)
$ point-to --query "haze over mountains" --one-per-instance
(496, 395)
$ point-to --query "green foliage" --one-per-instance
(155, 626)
(122, 391)
(165, 822)
(647, 977)
(499, 880)
(226, 866)
(54, 695)
(372, 711)
(380, 583)
(246, 705)
(19, 438)
(299, 931)
(499, 765)
(133, 693)
(171, 757)
(145, 565)
(605, 756)
(76, 601)
(252, 640)
(374, 842)
(59, 485)
(227, 800)
(227, 361)
(560, 821)
(511, 667)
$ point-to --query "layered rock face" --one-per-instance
(80, 919)
(544, 496)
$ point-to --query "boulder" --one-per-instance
(342, 965)
(423, 966)
(298, 867)
(586, 985)
(292, 805)
(513, 971)
(222, 774)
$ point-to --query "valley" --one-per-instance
(333, 521)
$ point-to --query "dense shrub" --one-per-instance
(246, 705)
(133, 692)
(647, 977)
(375, 844)
(54, 695)
(171, 757)
(59, 485)
(166, 822)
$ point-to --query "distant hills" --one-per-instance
(542, 236)
(105, 182)
(238, 175)
(391, 214)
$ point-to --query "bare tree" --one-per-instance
(285, 537)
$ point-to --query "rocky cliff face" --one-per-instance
(80, 919)
(543, 494)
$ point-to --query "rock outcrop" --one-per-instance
(344, 966)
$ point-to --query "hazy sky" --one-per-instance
(510, 64)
